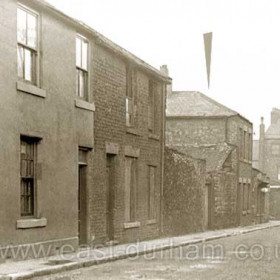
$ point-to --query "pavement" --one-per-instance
(89, 257)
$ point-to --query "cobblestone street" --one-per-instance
(248, 256)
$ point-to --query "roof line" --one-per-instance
(107, 42)
(234, 113)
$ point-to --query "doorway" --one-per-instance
(82, 198)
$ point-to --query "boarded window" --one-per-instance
(130, 188)
(151, 106)
(130, 96)
(245, 197)
(27, 173)
(27, 45)
(82, 67)
(151, 192)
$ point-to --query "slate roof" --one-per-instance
(273, 131)
(194, 103)
(214, 154)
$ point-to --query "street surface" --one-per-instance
(247, 256)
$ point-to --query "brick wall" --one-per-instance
(222, 199)
(109, 93)
(184, 194)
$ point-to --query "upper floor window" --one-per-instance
(130, 97)
(82, 47)
(27, 50)
(245, 145)
(151, 106)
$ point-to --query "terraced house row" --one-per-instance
(82, 133)
(83, 159)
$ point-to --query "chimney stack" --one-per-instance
(164, 70)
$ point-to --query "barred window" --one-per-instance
(82, 67)
(27, 47)
(27, 173)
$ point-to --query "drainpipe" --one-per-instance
(167, 90)
(162, 157)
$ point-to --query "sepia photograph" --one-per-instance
(139, 139)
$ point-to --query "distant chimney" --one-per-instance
(275, 116)
(164, 70)
(261, 145)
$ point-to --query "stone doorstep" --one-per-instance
(53, 269)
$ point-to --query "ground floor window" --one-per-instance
(28, 153)
(130, 188)
(151, 192)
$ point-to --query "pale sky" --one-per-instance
(245, 72)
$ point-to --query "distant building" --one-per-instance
(267, 158)
(203, 128)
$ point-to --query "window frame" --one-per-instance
(34, 142)
(80, 69)
(152, 118)
(130, 98)
(35, 68)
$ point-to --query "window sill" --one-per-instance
(82, 104)
(31, 223)
(133, 131)
(154, 136)
(151, 222)
(131, 225)
(31, 89)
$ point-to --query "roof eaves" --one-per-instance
(110, 44)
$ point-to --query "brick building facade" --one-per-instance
(203, 128)
(71, 173)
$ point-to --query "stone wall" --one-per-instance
(184, 194)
